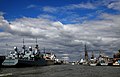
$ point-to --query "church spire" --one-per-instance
(86, 53)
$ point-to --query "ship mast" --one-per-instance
(36, 44)
(36, 41)
(23, 46)
(36, 47)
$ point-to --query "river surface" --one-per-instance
(62, 71)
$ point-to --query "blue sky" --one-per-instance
(63, 26)
(14, 9)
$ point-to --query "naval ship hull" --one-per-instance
(23, 62)
(9, 62)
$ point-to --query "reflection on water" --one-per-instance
(62, 71)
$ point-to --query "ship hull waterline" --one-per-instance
(24, 63)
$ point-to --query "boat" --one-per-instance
(103, 60)
(32, 58)
(28, 57)
(93, 64)
(58, 62)
(85, 63)
(103, 63)
(81, 61)
(116, 58)
(93, 61)
(116, 63)
(50, 58)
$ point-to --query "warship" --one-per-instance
(28, 57)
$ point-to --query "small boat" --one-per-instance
(50, 58)
(92, 62)
(103, 60)
(58, 62)
(81, 61)
(73, 63)
(85, 63)
(116, 63)
(103, 63)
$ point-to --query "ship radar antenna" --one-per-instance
(23, 45)
(36, 44)
(23, 42)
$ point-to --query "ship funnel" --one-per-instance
(15, 48)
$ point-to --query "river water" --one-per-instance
(62, 71)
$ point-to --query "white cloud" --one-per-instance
(64, 37)
(31, 6)
(81, 5)
(2, 13)
(4, 24)
(5, 34)
(68, 7)
(49, 9)
(46, 16)
(114, 5)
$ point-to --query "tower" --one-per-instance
(86, 53)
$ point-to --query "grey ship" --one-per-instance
(28, 57)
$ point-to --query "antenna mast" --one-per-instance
(23, 42)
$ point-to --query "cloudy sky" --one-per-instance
(61, 26)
